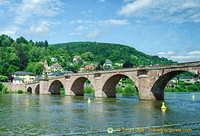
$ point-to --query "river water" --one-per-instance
(28, 114)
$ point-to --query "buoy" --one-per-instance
(89, 101)
(163, 106)
(110, 130)
(193, 97)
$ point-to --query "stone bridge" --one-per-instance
(150, 80)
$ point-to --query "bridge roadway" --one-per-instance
(149, 80)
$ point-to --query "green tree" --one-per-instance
(21, 40)
(87, 56)
(127, 64)
(39, 69)
(3, 78)
(23, 60)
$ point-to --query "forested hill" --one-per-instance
(24, 55)
(114, 52)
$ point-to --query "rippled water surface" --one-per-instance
(27, 114)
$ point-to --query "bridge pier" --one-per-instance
(44, 84)
(145, 92)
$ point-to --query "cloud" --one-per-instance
(181, 57)
(130, 8)
(178, 11)
(102, 22)
(78, 33)
(101, 0)
(10, 30)
(30, 9)
(86, 12)
(93, 34)
(114, 22)
(80, 28)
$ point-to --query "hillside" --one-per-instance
(114, 52)
(23, 55)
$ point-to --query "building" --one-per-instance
(108, 63)
(70, 64)
(187, 79)
(88, 67)
(17, 80)
(77, 59)
(47, 69)
(54, 59)
(26, 77)
(56, 68)
(119, 64)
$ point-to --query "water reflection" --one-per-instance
(26, 114)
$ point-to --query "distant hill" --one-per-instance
(114, 52)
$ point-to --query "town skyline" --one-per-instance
(165, 28)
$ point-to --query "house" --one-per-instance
(54, 59)
(119, 64)
(94, 64)
(26, 77)
(77, 59)
(108, 63)
(174, 80)
(17, 80)
(88, 67)
(56, 67)
(82, 68)
(69, 64)
(187, 79)
(60, 73)
(47, 69)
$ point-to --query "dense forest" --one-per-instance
(114, 52)
(24, 55)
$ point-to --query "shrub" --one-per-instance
(62, 92)
(89, 90)
(119, 89)
(130, 89)
(20, 91)
(5, 89)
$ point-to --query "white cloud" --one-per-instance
(29, 9)
(80, 28)
(102, 22)
(10, 30)
(85, 12)
(115, 22)
(166, 53)
(93, 34)
(178, 11)
(181, 57)
(130, 8)
(75, 34)
(101, 0)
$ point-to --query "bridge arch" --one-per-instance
(77, 87)
(29, 90)
(109, 86)
(55, 87)
(37, 89)
(161, 82)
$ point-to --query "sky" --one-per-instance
(167, 28)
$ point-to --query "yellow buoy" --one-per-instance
(89, 101)
(193, 97)
(163, 106)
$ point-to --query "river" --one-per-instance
(28, 114)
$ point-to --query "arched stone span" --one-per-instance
(55, 87)
(37, 89)
(29, 90)
(109, 87)
(161, 82)
(78, 86)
